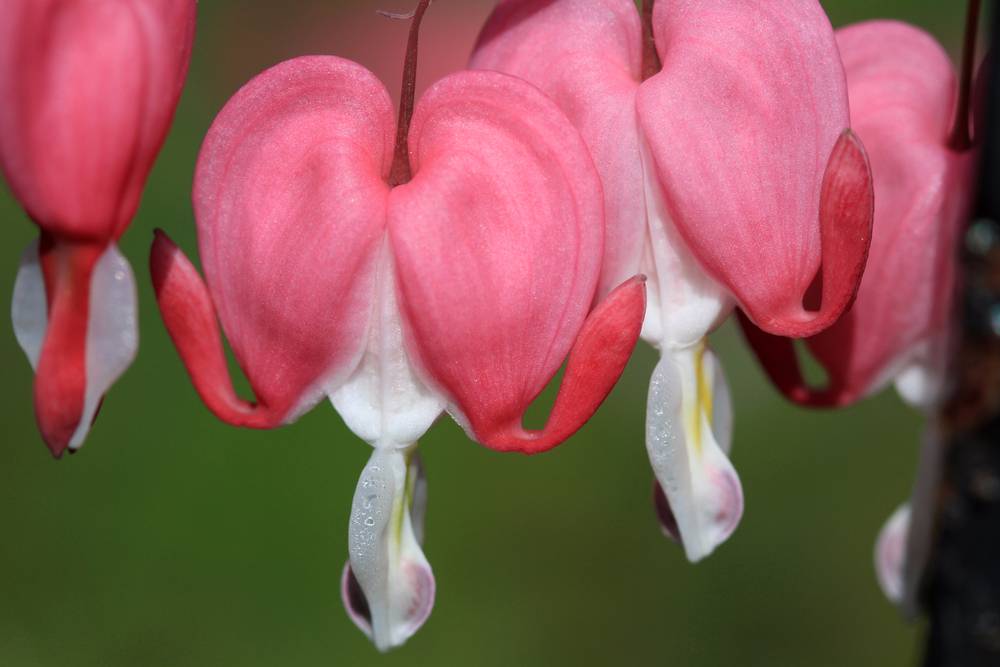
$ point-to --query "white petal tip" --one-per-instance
(890, 554)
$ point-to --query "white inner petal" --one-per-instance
(688, 433)
(112, 332)
(383, 401)
(683, 303)
(28, 309)
(385, 553)
(890, 553)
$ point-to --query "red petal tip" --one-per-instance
(597, 360)
(189, 315)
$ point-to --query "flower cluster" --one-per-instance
(601, 172)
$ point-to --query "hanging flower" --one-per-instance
(908, 108)
(720, 130)
(451, 269)
(89, 91)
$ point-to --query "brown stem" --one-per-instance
(960, 138)
(650, 59)
(400, 172)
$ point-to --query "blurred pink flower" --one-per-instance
(89, 91)
(730, 177)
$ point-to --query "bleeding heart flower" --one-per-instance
(451, 269)
(89, 91)
(913, 116)
(719, 128)
(903, 94)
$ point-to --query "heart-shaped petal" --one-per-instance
(742, 123)
(598, 43)
(290, 199)
(506, 203)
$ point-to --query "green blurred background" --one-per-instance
(173, 539)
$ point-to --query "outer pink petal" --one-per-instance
(89, 90)
(902, 89)
(585, 55)
(290, 200)
(741, 123)
(498, 242)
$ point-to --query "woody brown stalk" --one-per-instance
(961, 591)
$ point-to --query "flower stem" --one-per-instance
(400, 172)
(960, 138)
(650, 59)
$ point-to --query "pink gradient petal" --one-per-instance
(82, 121)
(498, 242)
(290, 200)
(742, 122)
(598, 45)
(189, 315)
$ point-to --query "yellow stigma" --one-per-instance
(697, 395)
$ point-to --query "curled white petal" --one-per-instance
(688, 433)
(383, 401)
(890, 554)
(386, 560)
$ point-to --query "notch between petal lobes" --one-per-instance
(846, 211)
(596, 361)
(189, 316)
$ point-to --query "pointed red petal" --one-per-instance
(779, 361)
(61, 375)
(594, 365)
(189, 316)
(846, 208)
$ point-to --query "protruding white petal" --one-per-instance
(890, 554)
(389, 567)
(922, 381)
(683, 304)
(112, 333)
(923, 500)
(28, 308)
(687, 439)
(112, 325)
(384, 402)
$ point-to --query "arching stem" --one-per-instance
(400, 172)
(650, 59)
(960, 138)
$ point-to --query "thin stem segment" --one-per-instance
(400, 172)
(960, 138)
